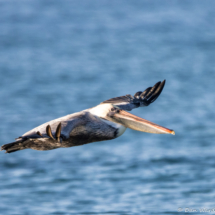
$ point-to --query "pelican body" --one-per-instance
(105, 121)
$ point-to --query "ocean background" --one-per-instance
(60, 57)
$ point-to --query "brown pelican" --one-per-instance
(105, 121)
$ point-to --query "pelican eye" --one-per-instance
(115, 109)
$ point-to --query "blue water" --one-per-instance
(60, 57)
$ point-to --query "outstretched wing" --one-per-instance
(140, 99)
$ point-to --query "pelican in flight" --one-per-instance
(105, 121)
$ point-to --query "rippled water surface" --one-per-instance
(60, 57)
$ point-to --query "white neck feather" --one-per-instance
(101, 111)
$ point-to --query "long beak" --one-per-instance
(136, 123)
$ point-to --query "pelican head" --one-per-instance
(114, 114)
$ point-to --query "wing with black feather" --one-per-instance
(140, 98)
